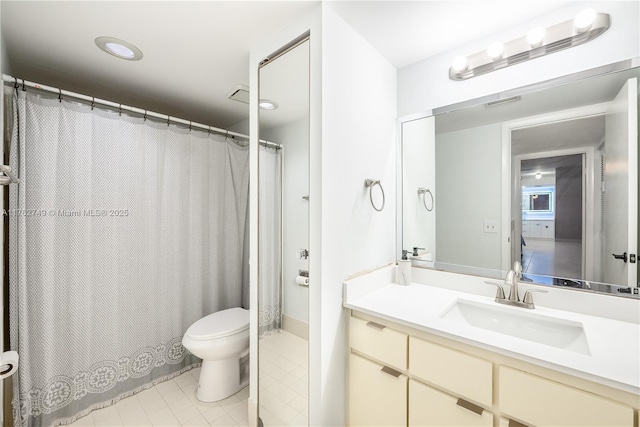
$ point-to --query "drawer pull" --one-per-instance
(390, 371)
(470, 406)
(515, 424)
(375, 325)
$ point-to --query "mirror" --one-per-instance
(283, 241)
(546, 177)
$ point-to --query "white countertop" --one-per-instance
(614, 344)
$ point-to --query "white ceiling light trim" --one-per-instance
(586, 26)
(119, 48)
(267, 104)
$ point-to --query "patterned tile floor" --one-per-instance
(284, 380)
(171, 403)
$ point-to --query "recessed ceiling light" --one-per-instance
(119, 48)
(267, 104)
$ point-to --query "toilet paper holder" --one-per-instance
(8, 363)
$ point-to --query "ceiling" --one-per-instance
(584, 132)
(406, 32)
(195, 52)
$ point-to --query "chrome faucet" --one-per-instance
(512, 279)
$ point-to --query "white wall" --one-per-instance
(240, 127)
(294, 138)
(426, 85)
(358, 142)
(469, 177)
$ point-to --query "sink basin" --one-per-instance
(520, 323)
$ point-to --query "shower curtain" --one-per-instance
(270, 240)
(123, 232)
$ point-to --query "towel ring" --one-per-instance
(424, 192)
(370, 183)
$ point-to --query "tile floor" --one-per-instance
(553, 258)
(171, 403)
(283, 380)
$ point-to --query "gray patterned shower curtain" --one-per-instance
(123, 232)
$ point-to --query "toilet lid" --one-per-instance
(220, 324)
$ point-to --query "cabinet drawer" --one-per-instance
(541, 402)
(466, 375)
(376, 397)
(430, 407)
(379, 342)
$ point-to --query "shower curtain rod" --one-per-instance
(121, 107)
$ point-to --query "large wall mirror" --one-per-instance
(547, 176)
(283, 237)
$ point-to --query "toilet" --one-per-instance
(221, 340)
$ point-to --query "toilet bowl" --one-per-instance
(221, 340)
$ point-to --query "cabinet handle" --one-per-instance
(470, 406)
(390, 371)
(375, 325)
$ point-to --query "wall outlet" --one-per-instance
(490, 226)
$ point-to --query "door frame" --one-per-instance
(588, 173)
(508, 164)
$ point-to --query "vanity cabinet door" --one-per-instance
(544, 403)
(379, 342)
(377, 394)
(460, 373)
(429, 407)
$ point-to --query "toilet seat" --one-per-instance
(219, 324)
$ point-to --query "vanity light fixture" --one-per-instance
(535, 37)
(459, 63)
(586, 26)
(538, 176)
(584, 20)
(495, 50)
(119, 48)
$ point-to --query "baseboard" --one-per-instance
(295, 326)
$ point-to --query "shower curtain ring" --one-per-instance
(226, 136)
(93, 103)
(145, 116)
(60, 95)
(209, 131)
(189, 125)
(24, 87)
(168, 118)
(120, 110)
(16, 85)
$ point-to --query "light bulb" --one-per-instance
(535, 36)
(495, 50)
(538, 175)
(459, 63)
(584, 20)
(267, 104)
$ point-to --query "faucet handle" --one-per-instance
(500, 291)
(528, 299)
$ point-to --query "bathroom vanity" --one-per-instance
(441, 352)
